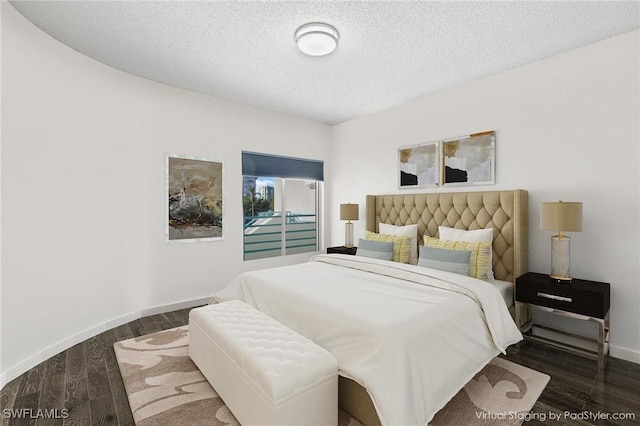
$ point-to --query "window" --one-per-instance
(280, 205)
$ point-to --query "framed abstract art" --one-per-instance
(469, 159)
(194, 203)
(418, 165)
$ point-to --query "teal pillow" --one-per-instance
(456, 261)
(375, 249)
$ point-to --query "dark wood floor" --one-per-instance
(85, 380)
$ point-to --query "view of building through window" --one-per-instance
(280, 216)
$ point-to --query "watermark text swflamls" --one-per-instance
(31, 413)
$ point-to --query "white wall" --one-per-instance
(83, 169)
(567, 128)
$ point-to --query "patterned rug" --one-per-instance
(166, 388)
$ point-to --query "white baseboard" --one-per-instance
(26, 365)
(174, 307)
(624, 353)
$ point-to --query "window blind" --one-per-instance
(257, 164)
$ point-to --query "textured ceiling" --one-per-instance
(389, 51)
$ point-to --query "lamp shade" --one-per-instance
(561, 216)
(349, 211)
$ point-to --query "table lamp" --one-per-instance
(348, 212)
(561, 217)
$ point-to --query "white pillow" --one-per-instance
(474, 236)
(411, 230)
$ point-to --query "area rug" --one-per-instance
(165, 387)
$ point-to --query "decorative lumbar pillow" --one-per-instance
(401, 245)
(455, 261)
(480, 252)
(475, 235)
(410, 230)
(375, 249)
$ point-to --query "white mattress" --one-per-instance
(506, 290)
(412, 336)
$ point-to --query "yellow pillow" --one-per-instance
(480, 253)
(401, 245)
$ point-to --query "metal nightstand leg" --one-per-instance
(602, 341)
(526, 326)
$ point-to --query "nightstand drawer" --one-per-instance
(552, 298)
(583, 297)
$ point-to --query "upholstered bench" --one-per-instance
(266, 373)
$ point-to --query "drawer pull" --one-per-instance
(554, 297)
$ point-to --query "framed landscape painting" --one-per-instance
(194, 209)
(469, 159)
(418, 165)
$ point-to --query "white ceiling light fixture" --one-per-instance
(317, 38)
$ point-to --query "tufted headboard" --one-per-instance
(504, 211)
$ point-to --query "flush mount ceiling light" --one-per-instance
(317, 38)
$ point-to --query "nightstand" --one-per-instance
(580, 299)
(342, 250)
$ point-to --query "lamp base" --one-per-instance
(560, 279)
(560, 258)
(348, 234)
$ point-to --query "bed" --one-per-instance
(407, 338)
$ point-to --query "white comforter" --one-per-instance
(412, 336)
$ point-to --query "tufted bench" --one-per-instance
(265, 372)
